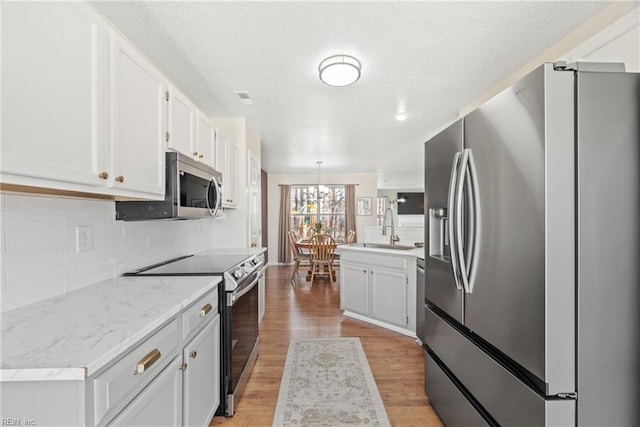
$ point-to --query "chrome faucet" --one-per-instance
(393, 238)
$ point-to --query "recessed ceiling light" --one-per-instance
(339, 70)
(401, 117)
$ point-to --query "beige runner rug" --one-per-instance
(328, 382)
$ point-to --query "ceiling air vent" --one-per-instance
(244, 97)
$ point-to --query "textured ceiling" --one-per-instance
(428, 58)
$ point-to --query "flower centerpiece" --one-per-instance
(318, 229)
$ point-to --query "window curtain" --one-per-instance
(350, 208)
(284, 254)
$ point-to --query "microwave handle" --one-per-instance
(214, 210)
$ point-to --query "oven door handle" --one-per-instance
(232, 297)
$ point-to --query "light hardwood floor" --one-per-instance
(313, 311)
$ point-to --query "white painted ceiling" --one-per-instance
(428, 58)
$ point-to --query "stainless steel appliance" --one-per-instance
(421, 327)
(532, 268)
(239, 314)
(192, 190)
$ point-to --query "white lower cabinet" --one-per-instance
(389, 296)
(379, 289)
(354, 289)
(171, 377)
(160, 404)
(201, 392)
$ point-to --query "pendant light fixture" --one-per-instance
(322, 190)
(339, 70)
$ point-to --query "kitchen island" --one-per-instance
(110, 352)
(378, 284)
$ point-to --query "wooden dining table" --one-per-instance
(305, 246)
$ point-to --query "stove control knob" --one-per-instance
(237, 274)
(247, 269)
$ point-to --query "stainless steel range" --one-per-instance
(239, 337)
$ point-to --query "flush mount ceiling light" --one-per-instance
(401, 116)
(339, 70)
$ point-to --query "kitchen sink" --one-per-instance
(384, 246)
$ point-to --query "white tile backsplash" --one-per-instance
(39, 258)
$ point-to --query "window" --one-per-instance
(318, 204)
(382, 206)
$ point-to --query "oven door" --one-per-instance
(241, 342)
(199, 192)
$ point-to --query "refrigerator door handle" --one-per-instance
(475, 231)
(451, 221)
(458, 216)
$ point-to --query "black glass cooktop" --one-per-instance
(192, 265)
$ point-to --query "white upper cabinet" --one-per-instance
(138, 119)
(82, 110)
(227, 164)
(53, 93)
(205, 141)
(182, 123)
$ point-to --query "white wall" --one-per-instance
(39, 258)
(366, 188)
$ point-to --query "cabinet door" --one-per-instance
(222, 155)
(389, 296)
(205, 137)
(159, 404)
(354, 288)
(255, 202)
(53, 83)
(138, 119)
(232, 175)
(202, 375)
(182, 121)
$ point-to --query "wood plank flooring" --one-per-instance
(313, 311)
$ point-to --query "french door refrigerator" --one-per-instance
(533, 263)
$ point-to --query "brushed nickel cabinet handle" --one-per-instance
(205, 310)
(193, 354)
(195, 153)
(183, 367)
(120, 178)
(103, 175)
(201, 156)
(147, 361)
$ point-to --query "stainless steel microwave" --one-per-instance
(193, 190)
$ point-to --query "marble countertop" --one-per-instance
(416, 252)
(71, 336)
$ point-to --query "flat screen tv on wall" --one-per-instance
(413, 204)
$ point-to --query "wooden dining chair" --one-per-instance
(322, 250)
(299, 257)
(351, 238)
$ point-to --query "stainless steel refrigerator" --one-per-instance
(533, 262)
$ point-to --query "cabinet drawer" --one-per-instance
(114, 387)
(448, 401)
(507, 399)
(201, 311)
(159, 404)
